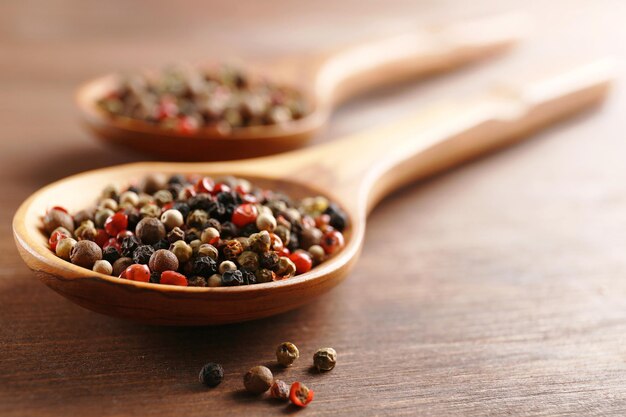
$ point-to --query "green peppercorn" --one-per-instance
(197, 281)
(101, 216)
(197, 219)
(258, 380)
(317, 254)
(208, 250)
(83, 215)
(211, 374)
(215, 280)
(108, 203)
(287, 353)
(286, 268)
(181, 250)
(111, 191)
(145, 200)
(227, 266)
(264, 275)
(64, 248)
(150, 211)
(130, 198)
(86, 231)
(283, 233)
(162, 197)
(103, 267)
(325, 359)
(248, 260)
(259, 242)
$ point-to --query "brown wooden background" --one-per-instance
(505, 292)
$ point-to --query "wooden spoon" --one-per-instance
(324, 79)
(355, 172)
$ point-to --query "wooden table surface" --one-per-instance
(507, 292)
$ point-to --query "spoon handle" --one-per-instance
(362, 169)
(346, 72)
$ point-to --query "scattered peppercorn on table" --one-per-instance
(496, 289)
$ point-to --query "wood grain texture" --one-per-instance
(510, 297)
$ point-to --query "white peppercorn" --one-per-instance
(64, 247)
(172, 218)
(103, 267)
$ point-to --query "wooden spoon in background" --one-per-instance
(325, 80)
(356, 172)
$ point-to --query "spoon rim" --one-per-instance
(62, 268)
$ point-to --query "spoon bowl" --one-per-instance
(355, 173)
(324, 80)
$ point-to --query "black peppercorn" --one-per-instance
(204, 266)
(248, 230)
(269, 260)
(217, 211)
(129, 244)
(248, 277)
(110, 254)
(133, 218)
(200, 202)
(232, 278)
(161, 244)
(177, 179)
(228, 231)
(182, 207)
(191, 235)
(294, 242)
(142, 254)
(338, 217)
(155, 277)
(214, 223)
(211, 374)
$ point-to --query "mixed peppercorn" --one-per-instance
(259, 379)
(197, 231)
(187, 99)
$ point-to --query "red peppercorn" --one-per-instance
(322, 220)
(102, 238)
(167, 206)
(112, 242)
(55, 237)
(173, 278)
(332, 241)
(167, 108)
(205, 185)
(187, 124)
(63, 209)
(137, 272)
(187, 192)
(300, 395)
(284, 252)
(220, 188)
(244, 214)
(302, 260)
(116, 223)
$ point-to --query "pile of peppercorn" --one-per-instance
(186, 99)
(197, 231)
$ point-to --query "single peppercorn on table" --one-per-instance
(507, 296)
